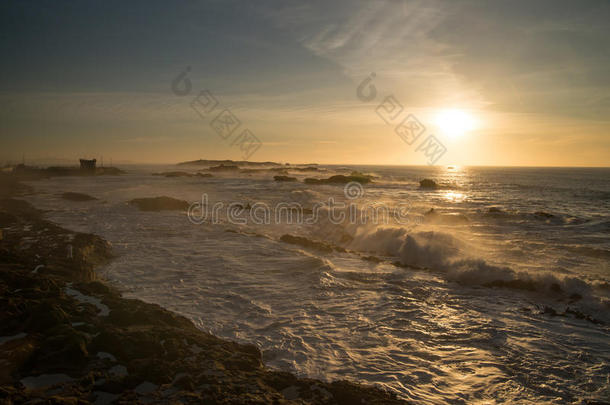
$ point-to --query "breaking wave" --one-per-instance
(444, 252)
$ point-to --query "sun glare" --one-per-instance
(454, 122)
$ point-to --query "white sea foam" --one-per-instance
(444, 252)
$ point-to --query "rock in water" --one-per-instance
(77, 197)
(544, 215)
(174, 174)
(308, 243)
(428, 184)
(159, 204)
(284, 178)
(340, 179)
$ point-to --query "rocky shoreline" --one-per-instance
(66, 337)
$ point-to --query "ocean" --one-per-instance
(501, 293)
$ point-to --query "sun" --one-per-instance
(454, 122)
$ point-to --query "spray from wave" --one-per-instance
(441, 251)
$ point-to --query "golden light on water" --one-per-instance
(454, 122)
(454, 196)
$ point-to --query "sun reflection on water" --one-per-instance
(454, 196)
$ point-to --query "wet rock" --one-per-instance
(70, 196)
(428, 184)
(581, 315)
(184, 381)
(284, 178)
(44, 316)
(495, 212)
(305, 169)
(373, 259)
(340, 179)
(550, 311)
(159, 204)
(543, 215)
(174, 174)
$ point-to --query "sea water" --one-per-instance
(501, 294)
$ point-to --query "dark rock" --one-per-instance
(77, 197)
(580, 315)
(373, 259)
(204, 162)
(550, 311)
(495, 212)
(428, 184)
(159, 204)
(284, 178)
(544, 215)
(44, 316)
(174, 174)
(339, 179)
(224, 168)
(305, 169)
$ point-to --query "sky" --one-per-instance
(497, 83)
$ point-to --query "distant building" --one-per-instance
(88, 165)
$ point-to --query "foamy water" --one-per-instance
(446, 324)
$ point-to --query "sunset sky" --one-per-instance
(497, 82)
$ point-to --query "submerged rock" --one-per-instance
(284, 178)
(159, 204)
(340, 179)
(77, 197)
(308, 243)
(495, 212)
(428, 184)
(446, 219)
(305, 169)
(544, 215)
(174, 174)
